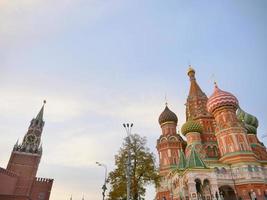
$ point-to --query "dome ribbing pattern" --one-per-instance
(221, 98)
(191, 126)
(251, 122)
(167, 116)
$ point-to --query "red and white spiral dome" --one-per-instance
(221, 98)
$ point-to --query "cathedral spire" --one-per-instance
(195, 90)
(197, 99)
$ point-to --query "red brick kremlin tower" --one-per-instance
(221, 158)
(18, 181)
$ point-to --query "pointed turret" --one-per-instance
(195, 90)
(196, 100)
(194, 160)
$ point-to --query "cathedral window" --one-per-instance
(216, 169)
(223, 170)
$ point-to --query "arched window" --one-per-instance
(216, 169)
(223, 170)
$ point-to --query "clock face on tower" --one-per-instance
(30, 139)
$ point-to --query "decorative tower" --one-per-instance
(192, 130)
(196, 100)
(26, 156)
(230, 133)
(168, 145)
(196, 111)
(169, 142)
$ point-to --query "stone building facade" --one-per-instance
(221, 157)
(18, 181)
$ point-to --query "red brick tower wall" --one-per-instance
(168, 146)
(8, 181)
(41, 188)
(26, 166)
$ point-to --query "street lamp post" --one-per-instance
(104, 187)
(128, 128)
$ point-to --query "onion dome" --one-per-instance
(191, 126)
(221, 98)
(167, 116)
(190, 71)
(251, 122)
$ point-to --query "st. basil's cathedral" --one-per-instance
(221, 158)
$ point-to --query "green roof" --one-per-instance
(251, 122)
(194, 160)
(182, 160)
(191, 126)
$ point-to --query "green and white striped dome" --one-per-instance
(251, 122)
(191, 126)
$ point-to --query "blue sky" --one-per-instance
(100, 63)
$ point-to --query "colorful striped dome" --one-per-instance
(247, 118)
(167, 116)
(221, 98)
(191, 126)
(251, 122)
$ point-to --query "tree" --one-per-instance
(143, 169)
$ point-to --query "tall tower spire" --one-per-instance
(25, 157)
(41, 112)
(197, 99)
(196, 112)
(32, 139)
